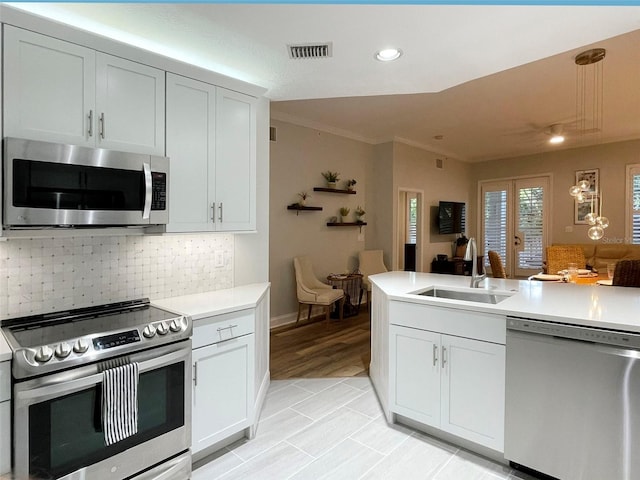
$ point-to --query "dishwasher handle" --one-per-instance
(574, 332)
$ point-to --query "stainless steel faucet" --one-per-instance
(472, 254)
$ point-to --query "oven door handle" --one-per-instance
(60, 384)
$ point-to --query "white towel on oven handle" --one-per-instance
(120, 403)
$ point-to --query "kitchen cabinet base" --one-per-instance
(209, 453)
(454, 440)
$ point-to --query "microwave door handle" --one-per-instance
(148, 190)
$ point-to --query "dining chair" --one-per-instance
(627, 273)
(311, 291)
(497, 268)
(370, 262)
(559, 256)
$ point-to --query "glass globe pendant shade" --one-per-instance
(575, 190)
(584, 185)
(602, 222)
(590, 218)
(596, 233)
(580, 198)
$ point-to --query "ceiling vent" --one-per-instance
(310, 50)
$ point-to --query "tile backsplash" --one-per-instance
(42, 275)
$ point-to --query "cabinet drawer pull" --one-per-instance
(435, 355)
(195, 374)
(444, 356)
(220, 329)
(90, 130)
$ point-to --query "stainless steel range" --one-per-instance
(61, 364)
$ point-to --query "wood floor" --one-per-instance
(316, 350)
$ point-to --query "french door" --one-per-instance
(514, 222)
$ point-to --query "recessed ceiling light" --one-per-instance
(556, 139)
(388, 54)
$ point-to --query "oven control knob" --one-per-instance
(149, 331)
(162, 328)
(44, 354)
(63, 350)
(175, 325)
(80, 346)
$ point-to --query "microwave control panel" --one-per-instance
(159, 189)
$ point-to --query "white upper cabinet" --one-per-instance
(129, 105)
(211, 141)
(61, 92)
(235, 161)
(49, 88)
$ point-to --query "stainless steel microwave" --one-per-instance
(54, 185)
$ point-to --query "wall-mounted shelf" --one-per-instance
(333, 190)
(299, 208)
(346, 224)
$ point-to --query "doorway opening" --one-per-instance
(409, 230)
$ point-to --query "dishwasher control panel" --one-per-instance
(575, 332)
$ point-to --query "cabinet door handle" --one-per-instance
(444, 356)
(90, 130)
(195, 374)
(435, 355)
(213, 212)
(220, 210)
(102, 125)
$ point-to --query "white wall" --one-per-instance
(298, 157)
(611, 159)
(416, 169)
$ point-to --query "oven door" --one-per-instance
(57, 419)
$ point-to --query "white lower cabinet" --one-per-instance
(223, 378)
(448, 382)
(5, 437)
(5, 417)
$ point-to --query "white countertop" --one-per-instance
(207, 304)
(5, 351)
(616, 308)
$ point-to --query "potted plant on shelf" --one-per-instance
(303, 198)
(331, 178)
(359, 212)
(351, 183)
(344, 211)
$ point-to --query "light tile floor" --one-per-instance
(333, 428)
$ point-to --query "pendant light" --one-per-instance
(589, 103)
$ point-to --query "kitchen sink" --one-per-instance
(481, 296)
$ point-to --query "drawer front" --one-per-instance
(461, 323)
(223, 327)
(5, 381)
(5, 437)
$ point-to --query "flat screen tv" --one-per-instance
(451, 217)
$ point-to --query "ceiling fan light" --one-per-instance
(388, 54)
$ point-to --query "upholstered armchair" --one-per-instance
(311, 291)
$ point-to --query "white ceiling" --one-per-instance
(490, 79)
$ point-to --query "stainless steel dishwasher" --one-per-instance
(572, 400)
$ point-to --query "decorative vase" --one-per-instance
(331, 184)
(302, 202)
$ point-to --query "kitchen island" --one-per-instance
(438, 364)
